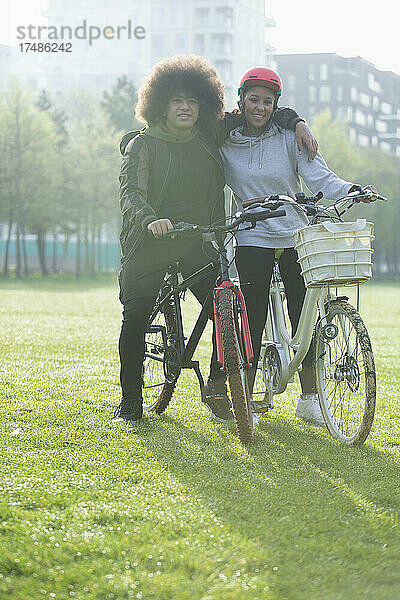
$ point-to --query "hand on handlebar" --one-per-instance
(160, 227)
(368, 199)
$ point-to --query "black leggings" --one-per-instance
(254, 266)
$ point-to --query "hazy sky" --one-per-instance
(347, 27)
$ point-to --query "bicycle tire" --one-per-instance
(345, 375)
(234, 359)
(160, 366)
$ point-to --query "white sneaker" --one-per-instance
(308, 408)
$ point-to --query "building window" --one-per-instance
(385, 147)
(224, 68)
(373, 84)
(224, 16)
(374, 140)
(365, 99)
(386, 108)
(312, 93)
(354, 94)
(180, 43)
(201, 17)
(157, 45)
(157, 17)
(311, 72)
(291, 100)
(360, 118)
(380, 126)
(221, 44)
(199, 44)
(375, 103)
(324, 93)
(177, 18)
(291, 83)
(339, 93)
(323, 72)
(363, 140)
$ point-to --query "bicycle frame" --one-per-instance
(174, 289)
(292, 350)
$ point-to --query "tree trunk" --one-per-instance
(93, 252)
(78, 251)
(18, 250)
(41, 252)
(54, 257)
(24, 252)
(99, 269)
(7, 248)
(87, 247)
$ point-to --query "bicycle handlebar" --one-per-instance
(251, 216)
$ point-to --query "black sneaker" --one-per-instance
(215, 397)
(128, 411)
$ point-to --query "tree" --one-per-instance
(366, 166)
(118, 105)
(30, 167)
(342, 156)
(92, 188)
(58, 117)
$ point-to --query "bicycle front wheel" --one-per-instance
(345, 374)
(161, 366)
(235, 364)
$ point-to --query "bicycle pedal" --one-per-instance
(259, 406)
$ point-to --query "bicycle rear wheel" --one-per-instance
(161, 366)
(235, 364)
(345, 374)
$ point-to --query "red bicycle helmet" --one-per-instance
(261, 76)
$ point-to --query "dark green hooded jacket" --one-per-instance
(146, 163)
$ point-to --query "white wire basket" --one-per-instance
(335, 253)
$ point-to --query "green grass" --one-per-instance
(177, 508)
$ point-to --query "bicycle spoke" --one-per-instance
(346, 376)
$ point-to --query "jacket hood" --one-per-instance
(159, 131)
(237, 138)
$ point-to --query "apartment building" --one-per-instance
(352, 89)
(232, 34)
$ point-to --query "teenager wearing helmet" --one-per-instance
(171, 171)
(260, 159)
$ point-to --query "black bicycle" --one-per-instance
(168, 351)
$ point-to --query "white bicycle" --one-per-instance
(331, 254)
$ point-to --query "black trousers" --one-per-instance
(140, 279)
(254, 266)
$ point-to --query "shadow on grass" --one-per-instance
(293, 471)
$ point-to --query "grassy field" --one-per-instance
(178, 508)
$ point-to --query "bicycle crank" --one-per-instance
(275, 369)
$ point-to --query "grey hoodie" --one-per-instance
(271, 164)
